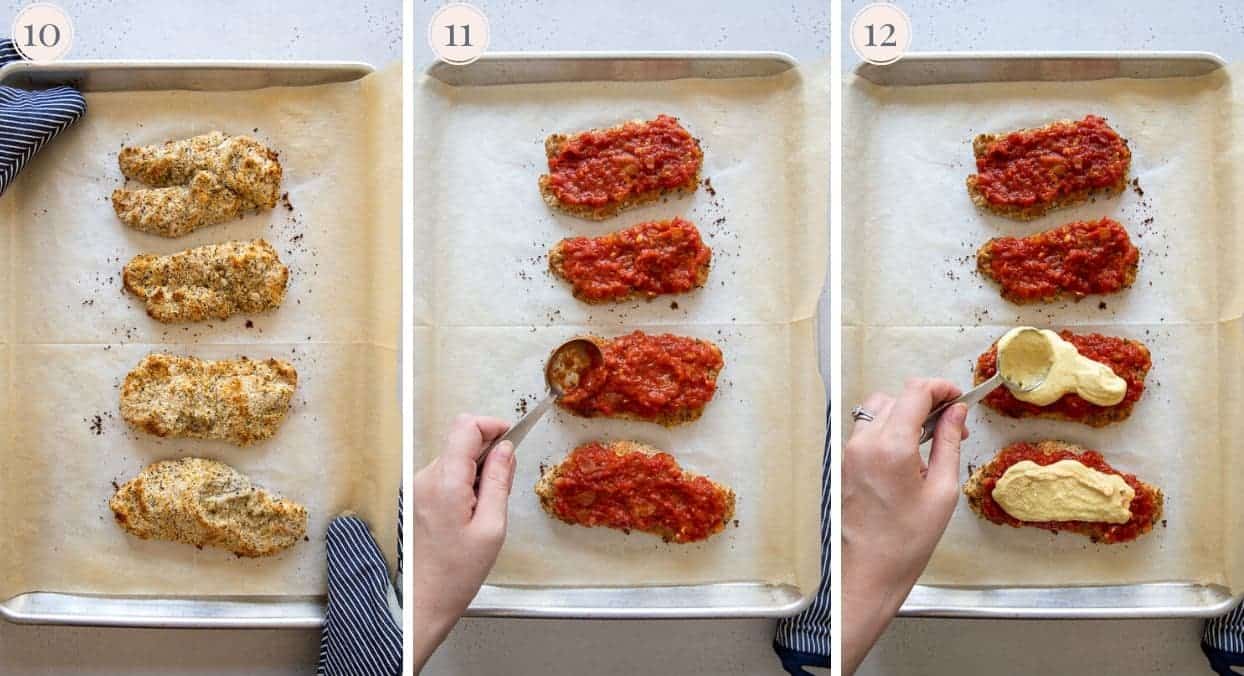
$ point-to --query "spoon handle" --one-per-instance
(971, 398)
(518, 432)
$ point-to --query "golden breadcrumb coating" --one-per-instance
(195, 182)
(207, 504)
(236, 400)
(217, 280)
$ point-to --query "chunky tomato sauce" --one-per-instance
(1040, 166)
(605, 166)
(637, 491)
(1144, 506)
(649, 258)
(1080, 258)
(1129, 360)
(650, 377)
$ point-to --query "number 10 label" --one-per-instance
(42, 32)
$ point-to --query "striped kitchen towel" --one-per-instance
(30, 119)
(362, 633)
(1223, 642)
(803, 640)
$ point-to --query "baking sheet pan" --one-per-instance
(70, 336)
(1175, 109)
(491, 312)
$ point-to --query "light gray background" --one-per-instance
(368, 31)
(1132, 647)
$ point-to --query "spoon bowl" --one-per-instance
(568, 362)
(1035, 379)
(562, 372)
(976, 394)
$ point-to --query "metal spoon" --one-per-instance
(974, 396)
(561, 373)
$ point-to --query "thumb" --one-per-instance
(943, 477)
(494, 486)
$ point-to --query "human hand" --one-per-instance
(894, 506)
(458, 533)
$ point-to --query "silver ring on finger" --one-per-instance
(860, 413)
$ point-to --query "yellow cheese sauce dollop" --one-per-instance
(1063, 491)
(1069, 371)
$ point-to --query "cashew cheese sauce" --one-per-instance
(1063, 491)
(1024, 354)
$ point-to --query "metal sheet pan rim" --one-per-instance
(614, 55)
(929, 603)
(76, 609)
(614, 612)
(1004, 608)
(185, 64)
(966, 67)
(155, 612)
(1133, 55)
(481, 607)
(454, 74)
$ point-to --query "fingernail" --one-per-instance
(504, 450)
(958, 413)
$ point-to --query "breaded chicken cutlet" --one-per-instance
(644, 260)
(628, 486)
(196, 182)
(1129, 359)
(236, 400)
(1146, 505)
(206, 503)
(1026, 173)
(1073, 260)
(213, 281)
(599, 173)
(659, 378)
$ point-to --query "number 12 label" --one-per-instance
(881, 33)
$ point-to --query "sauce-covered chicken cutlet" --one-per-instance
(629, 486)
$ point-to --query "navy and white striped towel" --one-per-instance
(30, 119)
(803, 640)
(362, 633)
(1223, 642)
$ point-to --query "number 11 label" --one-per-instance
(458, 34)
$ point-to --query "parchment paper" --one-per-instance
(491, 312)
(71, 334)
(915, 305)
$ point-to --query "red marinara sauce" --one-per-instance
(596, 486)
(1080, 258)
(604, 166)
(1143, 507)
(1040, 166)
(649, 258)
(659, 378)
(1128, 359)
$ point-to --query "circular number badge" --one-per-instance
(881, 33)
(42, 32)
(458, 33)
